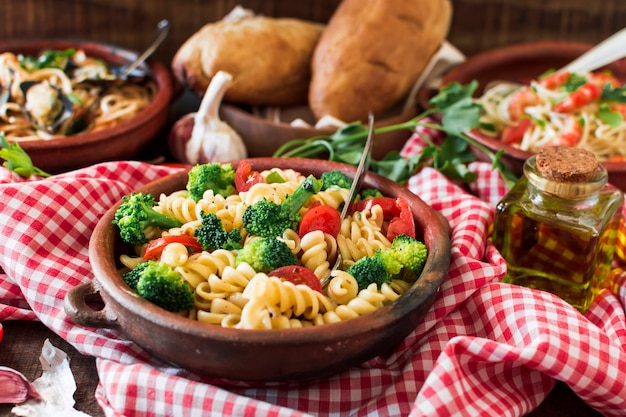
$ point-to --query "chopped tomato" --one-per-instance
(320, 217)
(581, 97)
(388, 204)
(554, 80)
(395, 210)
(155, 248)
(601, 79)
(515, 133)
(245, 177)
(403, 224)
(297, 274)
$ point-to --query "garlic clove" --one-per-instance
(14, 387)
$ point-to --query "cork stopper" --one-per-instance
(567, 172)
(566, 164)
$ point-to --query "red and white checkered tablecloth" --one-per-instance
(485, 348)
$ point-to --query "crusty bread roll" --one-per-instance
(371, 53)
(269, 58)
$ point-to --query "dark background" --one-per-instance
(477, 24)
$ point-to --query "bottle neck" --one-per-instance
(555, 201)
(585, 192)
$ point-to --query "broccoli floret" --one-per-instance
(335, 179)
(370, 193)
(406, 257)
(266, 254)
(158, 283)
(368, 270)
(131, 278)
(268, 219)
(136, 214)
(212, 235)
(212, 176)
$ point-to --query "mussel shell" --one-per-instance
(58, 120)
(109, 74)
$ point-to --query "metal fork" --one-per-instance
(359, 176)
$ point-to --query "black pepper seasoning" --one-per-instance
(557, 227)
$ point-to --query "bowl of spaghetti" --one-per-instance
(248, 324)
(61, 102)
(528, 105)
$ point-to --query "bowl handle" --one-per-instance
(81, 313)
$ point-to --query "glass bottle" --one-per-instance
(557, 227)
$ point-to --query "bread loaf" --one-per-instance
(371, 53)
(269, 58)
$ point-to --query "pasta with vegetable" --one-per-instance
(243, 280)
(62, 93)
(585, 110)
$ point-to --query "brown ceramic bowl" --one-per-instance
(263, 136)
(260, 355)
(119, 142)
(523, 63)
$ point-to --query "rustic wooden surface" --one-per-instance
(23, 341)
(477, 24)
(20, 350)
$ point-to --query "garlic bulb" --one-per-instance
(213, 140)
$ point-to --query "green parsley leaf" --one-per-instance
(574, 82)
(47, 59)
(610, 117)
(17, 160)
(617, 94)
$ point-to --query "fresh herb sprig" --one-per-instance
(47, 59)
(458, 113)
(17, 160)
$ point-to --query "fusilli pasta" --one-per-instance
(231, 293)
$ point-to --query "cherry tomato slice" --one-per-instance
(581, 97)
(554, 80)
(388, 204)
(245, 177)
(403, 224)
(297, 274)
(155, 248)
(320, 217)
(514, 134)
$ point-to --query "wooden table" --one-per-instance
(23, 340)
(20, 350)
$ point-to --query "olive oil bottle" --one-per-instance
(557, 227)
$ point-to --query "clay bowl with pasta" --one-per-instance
(521, 64)
(261, 355)
(90, 122)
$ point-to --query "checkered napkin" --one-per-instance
(484, 348)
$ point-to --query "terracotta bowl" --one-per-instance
(119, 142)
(523, 63)
(263, 136)
(260, 355)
